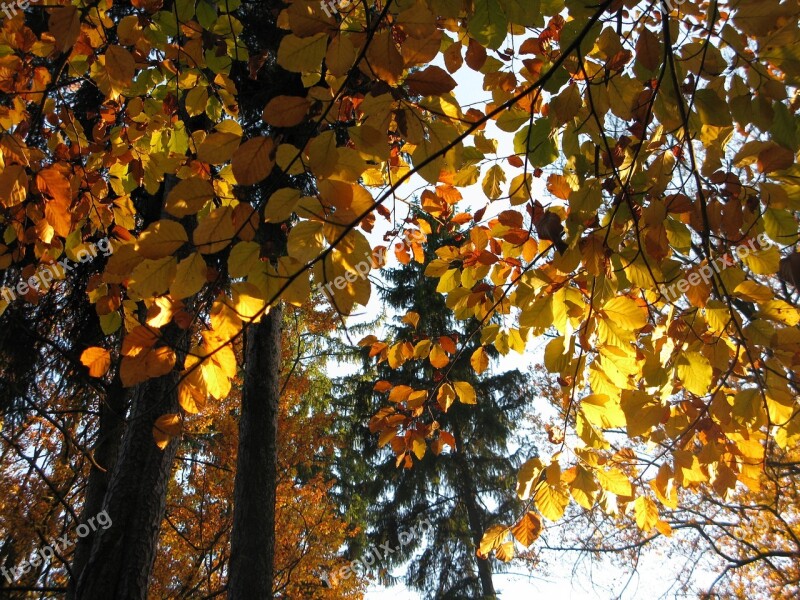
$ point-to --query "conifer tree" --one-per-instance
(458, 493)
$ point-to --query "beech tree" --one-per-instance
(628, 187)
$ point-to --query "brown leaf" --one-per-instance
(253, 161)
(432, 81)
(65, 25)
(475, 56)
(286, 111)
(775, 158)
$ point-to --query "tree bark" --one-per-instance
(253, 537)
(469, 496)
(106, 450)
(122, 556)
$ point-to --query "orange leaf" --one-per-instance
(165, 428)
(98, 360)
(528, 529)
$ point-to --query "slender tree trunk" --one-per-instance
(122, 556)
(106, 450)
(469, 496)
(253, 538)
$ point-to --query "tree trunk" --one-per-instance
(122, 556)
(253, 538)
(469, 496)
(106, 450)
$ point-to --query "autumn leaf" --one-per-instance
(98, 360)
(252, 161)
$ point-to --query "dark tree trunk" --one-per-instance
(469, 496)
(106, 450)
(122, 556)
(253, 538)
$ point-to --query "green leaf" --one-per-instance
(538, 142)
(489, 24)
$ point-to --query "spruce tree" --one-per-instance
(458, 493)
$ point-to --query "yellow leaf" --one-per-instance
(603, 411)
(190, 277)
(422, 349)
(121, 68)
(281, 205)
(438, 357)
(493, 537)
(528, 477)
(695, 371)
(400, 393)
(306, 241)
(302, 55)
(98, 360)
(218, 148)
(253, 161)
(248, 302)
(160, 239)
(215, 232)
(445, 396)
(418, 447)
(626, 313)
(159, 361)
(479, 360)
(191, 399)
(411, 318)
(189, 197)
(165, 428)
(615, 482)
(465, 391)
(646, 513)
(152, 277)
(552, 501)
(492, 181)
(244, 257)
(505, 551)
(582, 486)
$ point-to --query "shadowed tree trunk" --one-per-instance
(122, 556)
(106, 450)
(253, 537)
(469, 496)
